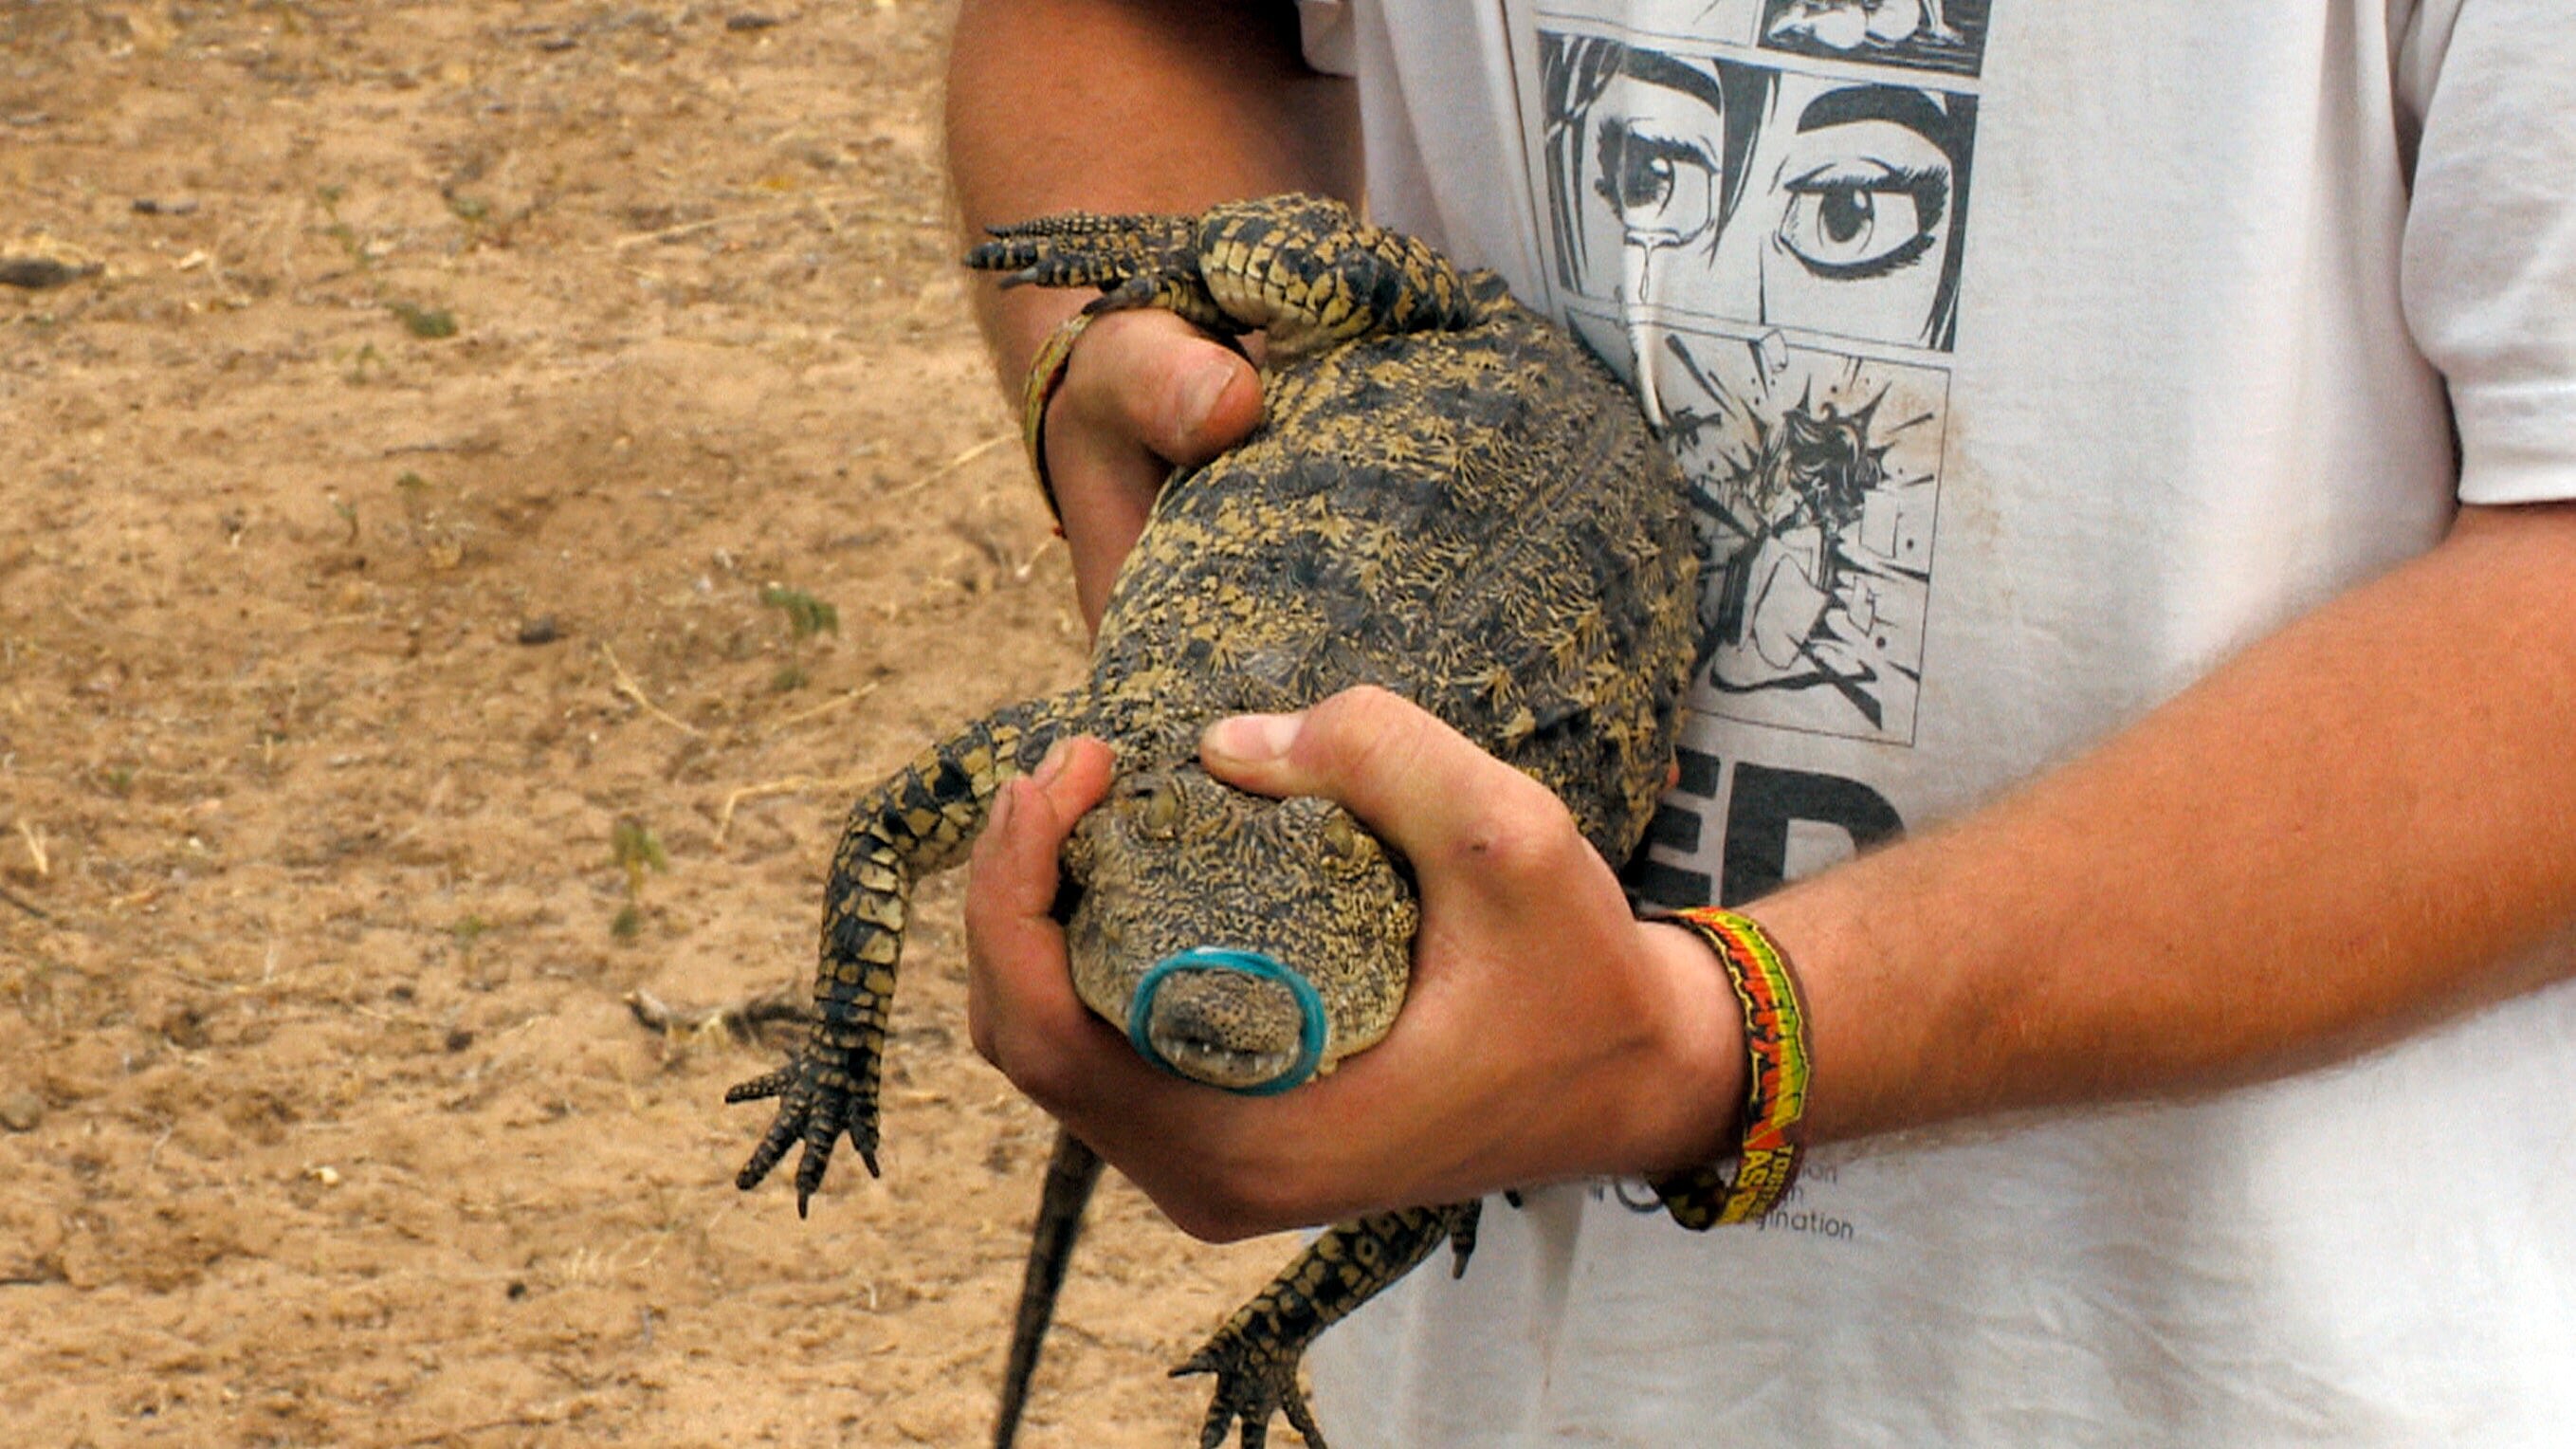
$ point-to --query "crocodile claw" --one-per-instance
(1136, 261)
(1253, 1381)
(817, 1104)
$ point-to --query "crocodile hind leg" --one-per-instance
(1070, 1177)
(1255, 1355)
(918, 823)
(1303, 269)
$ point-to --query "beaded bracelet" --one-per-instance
(1775, 1090)
(1046, 374)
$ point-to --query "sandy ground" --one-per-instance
(393, 495)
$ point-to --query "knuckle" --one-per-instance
(1217, 1213)
(1373, 702)
(1193, 1220)
(986, 917)
(1043, 1074)
(1356, 732)
(980, 1031)
(1240, 1187)
(1521, 839)
(983, 1018)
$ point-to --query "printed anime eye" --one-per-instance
(1859, 219)
(1664, 190)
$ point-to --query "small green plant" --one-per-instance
(340, 231)
(472, 210)
(119, 780)
(427, 323)
(807, 615)
(470, 930)
(635, 851)
(366, 357)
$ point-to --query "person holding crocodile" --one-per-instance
(2160, 782)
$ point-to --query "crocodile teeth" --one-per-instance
(1221, 1066)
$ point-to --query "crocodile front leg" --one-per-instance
(1255, 1355)
(1136, 261)
(1303, 269)
(918, 823)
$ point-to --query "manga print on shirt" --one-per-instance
(1717, 188)
(1940, 35)
(1934, 35)
(1775, 256)
(1815, 479)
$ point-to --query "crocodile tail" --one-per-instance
(1071, 1175)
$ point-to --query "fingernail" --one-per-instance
(1200, 395)
(1052, 764)
(1254, 737)
(1000, 818)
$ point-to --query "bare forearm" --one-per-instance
(2348, 832)
(1121, 105)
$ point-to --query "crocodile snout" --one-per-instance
(1235, 1019)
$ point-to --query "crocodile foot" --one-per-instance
(1303, 269)
(1136, 261)
(827, 1091)
(1255, 1378)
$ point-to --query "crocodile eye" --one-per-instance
(1158, 811)
(1345, 845)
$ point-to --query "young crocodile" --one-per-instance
(1448, 498)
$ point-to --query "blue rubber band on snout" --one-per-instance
(1310, 1011)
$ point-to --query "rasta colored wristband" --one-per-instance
(1775, 1089)
(1046, 374)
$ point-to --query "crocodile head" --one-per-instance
(1244, 942)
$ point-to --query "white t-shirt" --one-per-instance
(2025, 360)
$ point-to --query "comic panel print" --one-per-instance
(1715, 188)
(1938, 35)
(1934, 35)
(1737, 23)
(1815, 478)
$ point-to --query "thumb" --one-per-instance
(1012, 872)
(1422, 786)
(1171, 387)
(1015, 950)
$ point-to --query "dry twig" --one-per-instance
(826, 707)
(30, 907)
(627, 686)
(545, 1418)
(748, 1021)
(951, 466)
(792, 785)
(633, 240)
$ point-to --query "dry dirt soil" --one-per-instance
(409, 492)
